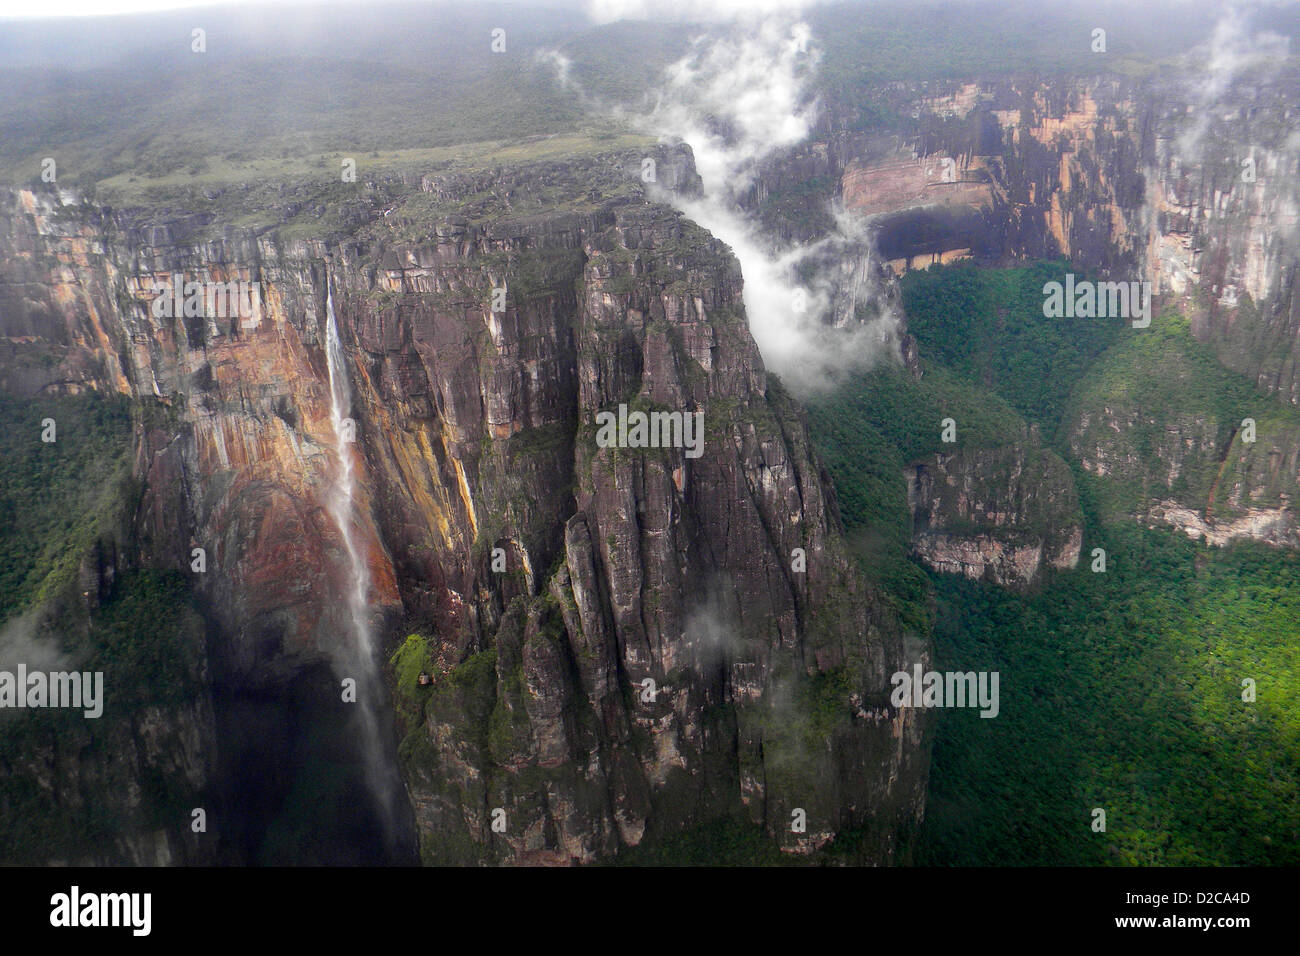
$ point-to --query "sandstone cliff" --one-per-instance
(995, 514)
(475, 439)
(1187, 185)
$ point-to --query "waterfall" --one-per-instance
(359, 656)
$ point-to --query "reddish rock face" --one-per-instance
(904, 180)
(1137, 180)
(632, 683)
(619, 644)
(618, 641)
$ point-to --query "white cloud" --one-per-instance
(738, 98)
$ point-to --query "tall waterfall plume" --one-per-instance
(358, 659)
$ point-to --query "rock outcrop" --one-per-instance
(1000, 515)
(619, 641)
(1164, 180)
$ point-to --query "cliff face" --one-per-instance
(120, 787)
(1007, 168)
(1187, 186)
(675, 573)
(999, 515)
(1177, 440)
(1225, 243)
(622, 641)
(1157, 180)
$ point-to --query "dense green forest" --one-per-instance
(1122, 690)
(58, 499)
(56, 496)
(987, 326)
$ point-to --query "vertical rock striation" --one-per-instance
(620, 644)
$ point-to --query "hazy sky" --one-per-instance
(79, 8)
(28, 9)
(599, 9)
